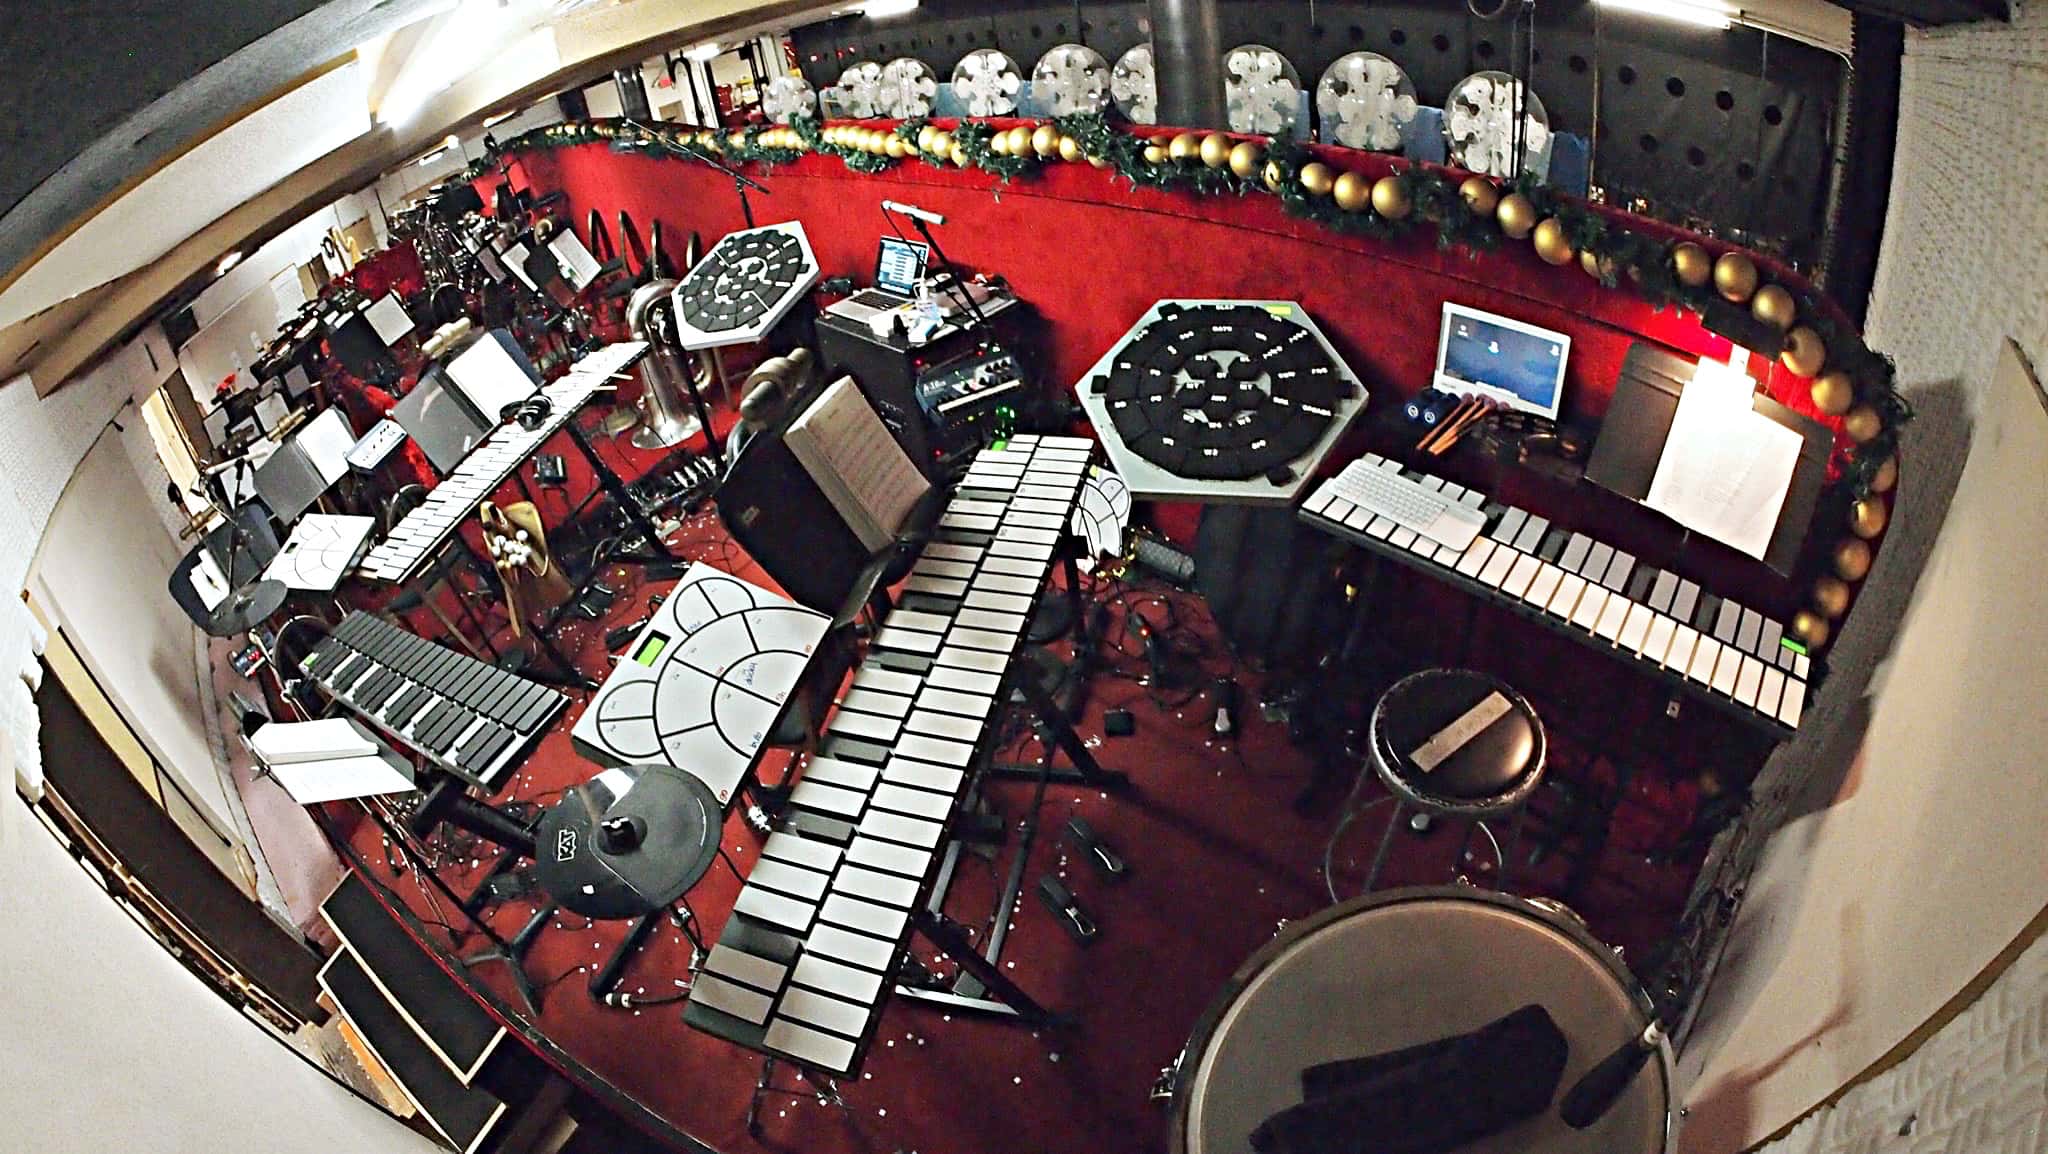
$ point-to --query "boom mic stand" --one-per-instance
(959, 287)
(741, 182)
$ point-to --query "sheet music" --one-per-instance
(327, 439)
(841, 436)
(1726, 469)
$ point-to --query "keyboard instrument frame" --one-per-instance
(1506, 566)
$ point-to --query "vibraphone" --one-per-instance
(421, 533)
(1710, 648)
(804, 965)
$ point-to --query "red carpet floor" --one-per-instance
(1218, 862)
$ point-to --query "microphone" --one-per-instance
(913, 212)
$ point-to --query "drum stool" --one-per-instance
(1454, 743)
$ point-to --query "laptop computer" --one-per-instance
(899, 269)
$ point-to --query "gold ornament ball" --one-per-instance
(1390, 198)
(1479, 195)
(1351, 191)
(1316, 177)
(1804, 352)
(1215, 151)
(1155, 154)
(1692, 264)
(1833, 392)
(1020, 140)
(1098, 162)
(1600, 268)
(1045, 140)
(1811, 628)
(1552, 245)
(1245, 158)
(1272, 176)
(1831, 597)
(1867, 517)
(1070, 149)
(999, 144)
(897, 147)
(1774, 306)
(1735, 277)
(957, 155)
(1852, 559)
(1887, 476)
(941, 145)
(1516, 215)
(1862, 424)
(1186, 146)
(924, 138)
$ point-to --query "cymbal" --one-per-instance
(246, 606)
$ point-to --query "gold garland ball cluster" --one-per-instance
(1848, 379)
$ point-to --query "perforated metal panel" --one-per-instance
(1728, 127)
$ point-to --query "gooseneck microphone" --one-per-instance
(913, 212)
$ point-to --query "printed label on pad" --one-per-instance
(1453, 737)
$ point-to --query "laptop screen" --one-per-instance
(900, 266)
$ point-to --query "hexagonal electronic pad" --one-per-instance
(1221, 400)
(746, 284)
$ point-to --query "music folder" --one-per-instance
(1637, 427)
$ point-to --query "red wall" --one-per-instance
(1092, 253)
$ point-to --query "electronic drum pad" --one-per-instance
(744, 286)
(1224, 401)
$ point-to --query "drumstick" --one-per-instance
(1443, 426)
(1457, 430)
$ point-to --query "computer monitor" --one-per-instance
(1518, 364)
(900, 264)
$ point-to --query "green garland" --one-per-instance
(1611, 250)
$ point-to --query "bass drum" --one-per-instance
(1402, 967)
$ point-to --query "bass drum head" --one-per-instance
(1400, 968)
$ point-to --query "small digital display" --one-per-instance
(651, 648)
(1516, 363)
(900, 266)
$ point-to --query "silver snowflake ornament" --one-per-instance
(1365, 101)
(1070, 78)
(1261, 90)
(986, 81)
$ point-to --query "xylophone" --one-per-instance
(821, 927)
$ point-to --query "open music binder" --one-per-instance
(842, 443)
(1637, 428)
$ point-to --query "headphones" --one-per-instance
(531, 413)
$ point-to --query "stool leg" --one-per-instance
(1379, 857)
(761, 1086)
(1507, 859)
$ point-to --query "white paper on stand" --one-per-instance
(1725, 470)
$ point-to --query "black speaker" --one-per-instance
(771, 506)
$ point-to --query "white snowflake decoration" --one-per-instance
(859, 90)
(1479, 124)
(986, 81)
(906, 90)
(1133, 86)
(787, 98)
(1070, 78)
(1365, 101)
(1260, 89)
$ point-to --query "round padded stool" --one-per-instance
(1454, 743)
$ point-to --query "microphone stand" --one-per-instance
(741, 182)
(959, 287)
